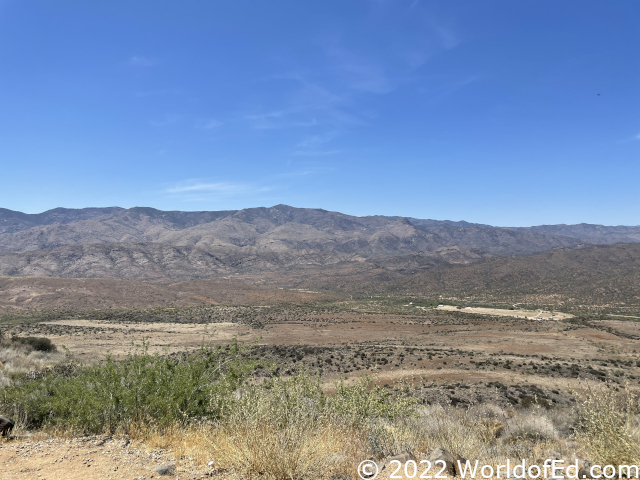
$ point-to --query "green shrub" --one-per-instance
(40, 344)
(142, 389)
(285, 400)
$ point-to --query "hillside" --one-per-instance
(287, 246)
(23, 294)
(157, 261)
(278, 228)
(595, 278)
(591, 233)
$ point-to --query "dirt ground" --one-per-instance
(461, 353)
(461, 337)
(89, 458)
(501, 312)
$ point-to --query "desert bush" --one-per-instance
(143, 388)
(40, 344)
(607, 426)
(289, 428)
(303, 447)
(465, 432)
(18, 361)
(531, 424)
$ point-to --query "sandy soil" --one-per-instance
(467, 340)
(87, 458)
(89, 340)
(528, 314)
(95, 339)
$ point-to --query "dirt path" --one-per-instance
(85, 458)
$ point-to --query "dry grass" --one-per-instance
(265, 451)
(16, 361)
(257, 443)
(608, 426)
(298, 451)
(303, 448)
(289, 428)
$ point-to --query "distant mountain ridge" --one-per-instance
(157, 261)
(596, 234)
(146, 243)
(279, 227)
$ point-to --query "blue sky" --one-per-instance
(500, 112)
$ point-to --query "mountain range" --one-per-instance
(148, 244)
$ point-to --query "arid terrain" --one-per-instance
(441, 357)
(394, 342)
(449, 314)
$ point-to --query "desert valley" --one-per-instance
(446, 315)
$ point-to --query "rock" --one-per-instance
(404, 457)
(554, 455)
(584, 472)
(6, 425)
(450, 459)
(584, 466)
(166, 469)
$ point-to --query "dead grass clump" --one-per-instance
(299, 450)
(531, 424)
(456, 430)
(16, 360)
(607, 426)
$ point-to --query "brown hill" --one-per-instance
(604, 278)
(598, 234)
(156, 261)
(20, 294)
(278, 228)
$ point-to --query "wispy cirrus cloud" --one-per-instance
(316, 153)
(159, 92)
(326, 99)
(441, 87)
(317, 139)
(311, 145)
(198, 190)
(216, 187)
(293, 117)
(356, 71)
(211, 124)
(307, 105)
(167, 119)
(139, 61)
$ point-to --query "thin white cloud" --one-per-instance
(159, 92)
(294, 117)
(167, 119)
(316, 153)
(448, 37)
(138, 61)
(317, 139)
(356, 71)
(296, 173)
(638, 136)
(442, 87)
(217, 187)
(211, 124)
(196, 190)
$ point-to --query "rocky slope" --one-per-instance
(278, 228)
(145, 243)
(157, 261)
